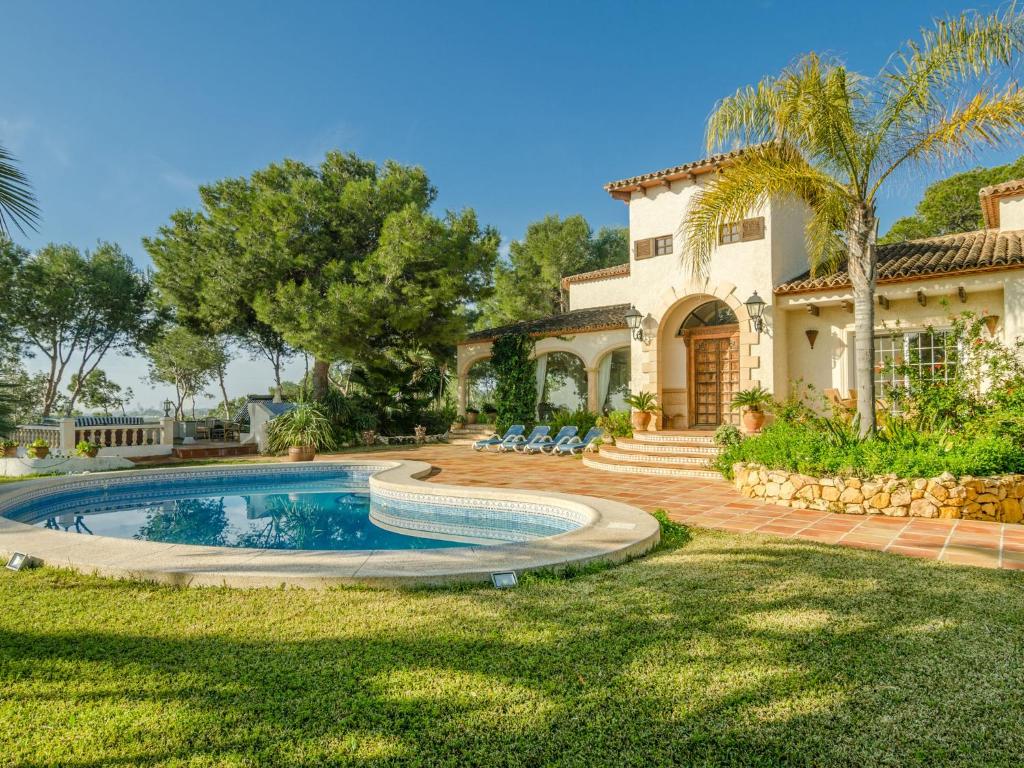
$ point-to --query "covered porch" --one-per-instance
(583, 361)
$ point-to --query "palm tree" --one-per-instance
(17, 203)
(832, 138)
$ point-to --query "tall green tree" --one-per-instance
(529, 284)
(832, 138)
(185, 360)
(343, 261)
(99, 392)
(72, 308)
(951, 205)
(17, 202)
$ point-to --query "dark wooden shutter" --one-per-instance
(753, 229)
(643, 249)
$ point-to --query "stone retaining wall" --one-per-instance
(996, 499)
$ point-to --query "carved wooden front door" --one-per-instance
(714, 365)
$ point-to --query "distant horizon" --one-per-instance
(518, 112)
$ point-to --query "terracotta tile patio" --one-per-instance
(715, 504)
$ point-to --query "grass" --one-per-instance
(719, 649)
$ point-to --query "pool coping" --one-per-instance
(614, 532)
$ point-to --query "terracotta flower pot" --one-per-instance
(471, 417)
(11, 453)
(91, 453)
(40, 453)
(301, 453)
(753, 420)
(640, 420)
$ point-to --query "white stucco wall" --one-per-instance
(1011, 213)
(830, 363)
(600, 293)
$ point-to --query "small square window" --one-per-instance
(730, 233)
(662, 245)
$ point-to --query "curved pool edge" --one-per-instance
(615, 532)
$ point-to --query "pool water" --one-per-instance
(285, 509)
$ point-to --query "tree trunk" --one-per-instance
(862, 268)
(224, 393)
(321, 369)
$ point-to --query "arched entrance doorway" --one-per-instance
(711, 333)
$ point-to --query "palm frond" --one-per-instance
(760, 174)
(926, 77)
(990, 119)
(17, 203)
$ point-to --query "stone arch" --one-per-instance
(567, 381)
(617, 379)
(657, 357)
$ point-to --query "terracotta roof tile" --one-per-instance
(989, 199)
(980, 251)
(577, 321)
(608, 273)
(705, 164)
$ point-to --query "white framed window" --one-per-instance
(934, 354)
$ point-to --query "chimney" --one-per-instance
(1003, 205)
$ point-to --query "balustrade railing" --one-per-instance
(64, 434)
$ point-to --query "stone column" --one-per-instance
(167, 430)
(67, 436)
(463, 392)
(592, 391)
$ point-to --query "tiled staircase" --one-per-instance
(470, 433)
(665, 454)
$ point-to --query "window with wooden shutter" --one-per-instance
(753, 229)
(643, 249)
(663, 245)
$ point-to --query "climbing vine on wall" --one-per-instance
(515, 395)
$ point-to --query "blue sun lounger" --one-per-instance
(547, 444)
(537, 437)
(516, 443)
(496, 439)
(574, 445)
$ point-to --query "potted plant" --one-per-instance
(459, 422)
(754, 402)
(644, 407)
(87, 449)
(8, 448)
(303, 431)
(38, 449)
(471, 415)
(490, 413)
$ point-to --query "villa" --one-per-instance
(760, 316)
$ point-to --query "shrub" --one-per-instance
(728, 435)
(304, 425)
(616, 424)
(643, 402)
(582, 419)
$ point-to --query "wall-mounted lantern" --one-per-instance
(755, 308)
(812, 336)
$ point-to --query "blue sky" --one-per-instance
(117, 111)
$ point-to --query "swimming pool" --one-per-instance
(308, 525)
(308, 508)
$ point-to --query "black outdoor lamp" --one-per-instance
(634, 320)
(755, 308)
(167, 408)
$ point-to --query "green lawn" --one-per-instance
(727, 650)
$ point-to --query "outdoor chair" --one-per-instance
(496, 439)
(547, 444)
(517, 440)
(574, 446)
(537, 437)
